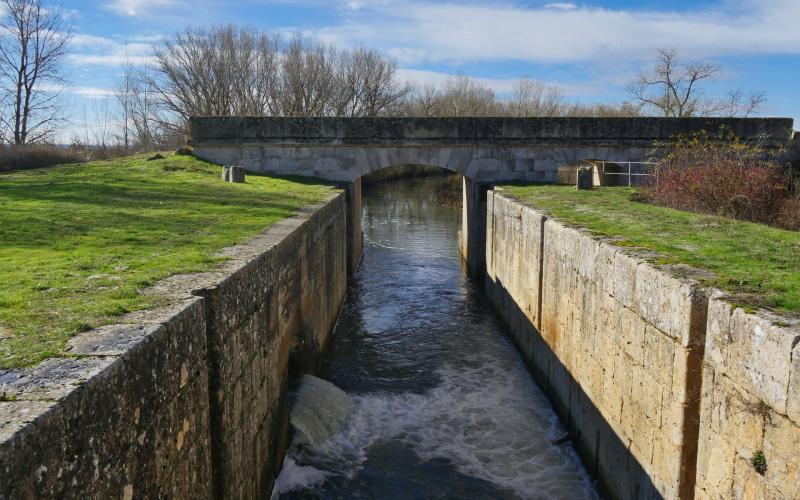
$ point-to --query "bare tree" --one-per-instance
(623, 109)
(33, 45)
(462, 96)
(421, 100)
(242, 71)
(102, 132)
(308, 80)
(736, 103)
(123, 95)
(531, 98)
(150, 127)
(143, 123)
(230, 71)
(673, 88)
(368, 85)
(257, 80)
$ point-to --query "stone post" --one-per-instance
(355, 237)
(233, 174)
(585, 177)
(473, 226)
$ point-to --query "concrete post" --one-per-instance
(473, 226)
(355, 238)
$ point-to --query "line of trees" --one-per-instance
(241, 71)
(232, 70)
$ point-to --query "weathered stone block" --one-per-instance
(139, 383)
(584, 178)
(676, 306)
(748, 361)
(234, 173)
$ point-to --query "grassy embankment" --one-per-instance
(759, 262)
(78, 243)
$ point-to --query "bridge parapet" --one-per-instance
(483, 149)
(411, 131)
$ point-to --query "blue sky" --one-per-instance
(591, 49)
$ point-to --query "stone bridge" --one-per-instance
(484, 150)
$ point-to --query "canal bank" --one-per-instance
(187, 401)
(191, 400)
(668, 386)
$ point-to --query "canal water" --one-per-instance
(440, 403)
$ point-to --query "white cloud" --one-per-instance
(90, 92)
(78, 90)
(90, 41)
(561, 6)
(425, 31)
(100, 51)
(138, 7)
(115, 59)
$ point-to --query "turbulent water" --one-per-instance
(318, 410)
(440, 403)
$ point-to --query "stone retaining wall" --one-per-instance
(751, 404)
(614, 342)
(187, 401)
(668, 390)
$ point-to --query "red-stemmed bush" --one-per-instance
(721, 176)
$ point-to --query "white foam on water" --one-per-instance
(297, 477)
(489, 419)
(317, 409)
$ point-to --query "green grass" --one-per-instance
(760, 263)
(78, 243)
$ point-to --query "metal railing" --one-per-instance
(601, 164)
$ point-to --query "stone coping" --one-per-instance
(232, 131)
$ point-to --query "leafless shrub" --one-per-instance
(19, 156)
